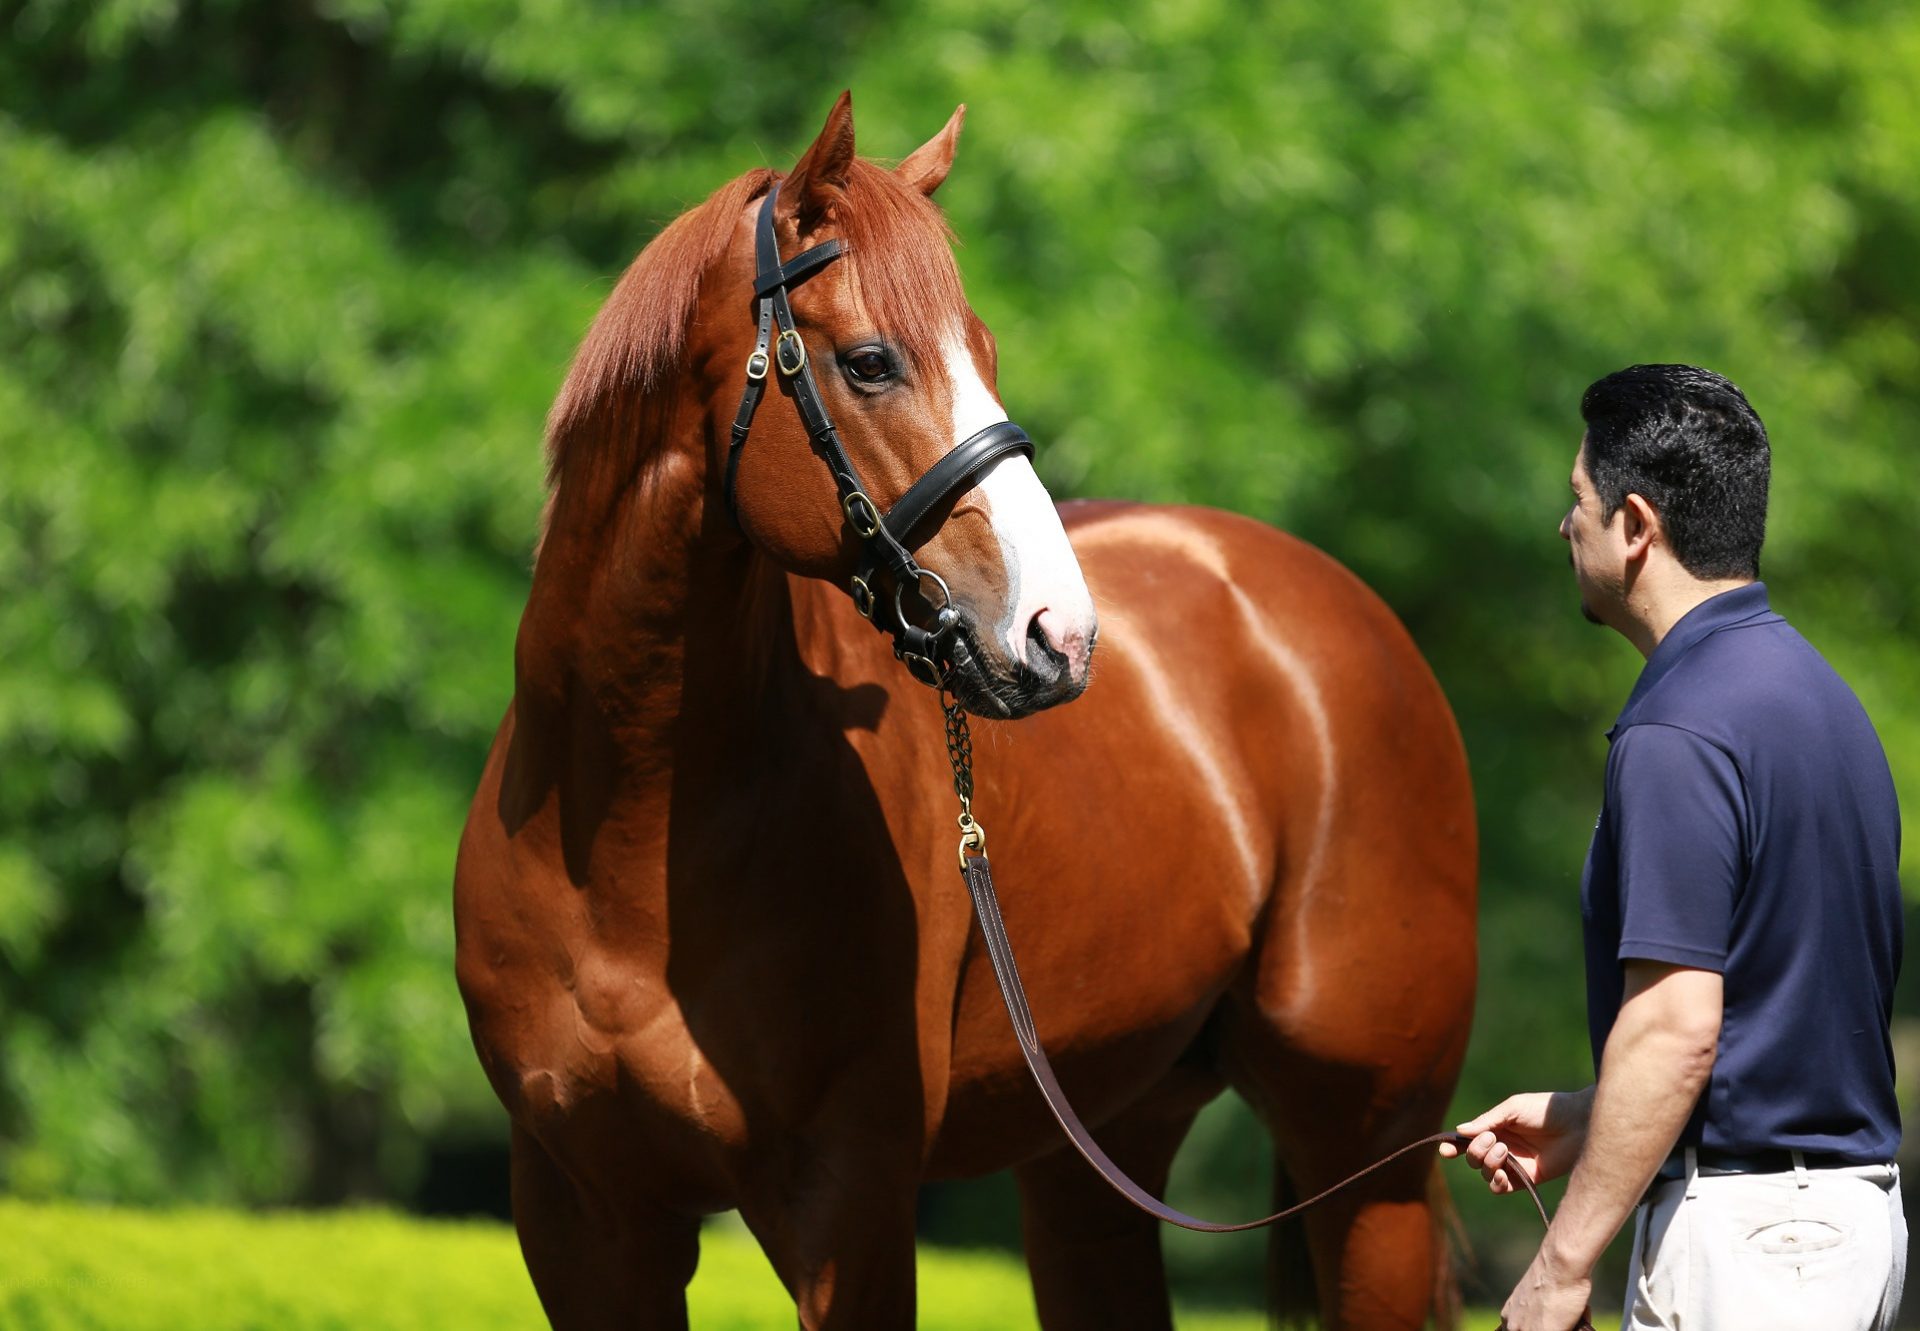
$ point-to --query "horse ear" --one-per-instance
(928, 164)
(819, 178)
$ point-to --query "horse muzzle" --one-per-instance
(1005, 683)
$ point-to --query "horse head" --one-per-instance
(905, 371)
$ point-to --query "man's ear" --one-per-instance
(1643, 528)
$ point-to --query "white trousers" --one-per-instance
(1805, 1250)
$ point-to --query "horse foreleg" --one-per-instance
(599, 1263)
(1094, 1258)
(838, 1229)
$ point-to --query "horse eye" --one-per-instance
(869, 366)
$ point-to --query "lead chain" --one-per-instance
(960, 757)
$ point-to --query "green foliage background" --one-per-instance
(285, 290)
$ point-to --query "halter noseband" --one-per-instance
(885, 538)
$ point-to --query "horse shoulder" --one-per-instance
(562, 1013)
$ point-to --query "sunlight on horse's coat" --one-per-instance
(1313, 706)
(1167, 695)
(1210, 765)
(1177, 537)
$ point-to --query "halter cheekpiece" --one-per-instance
(886, 538)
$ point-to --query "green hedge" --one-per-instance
(82, 1268)
(71, 1267)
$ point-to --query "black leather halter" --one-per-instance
(887, 539)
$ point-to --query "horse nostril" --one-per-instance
(1044, 657)
(1035, 634)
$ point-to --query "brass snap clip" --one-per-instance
(973, 837)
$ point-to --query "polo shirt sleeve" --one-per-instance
(1679, 816)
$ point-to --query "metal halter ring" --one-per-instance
(790, 365)
(946, 598)
(862, 597)
(862, 516)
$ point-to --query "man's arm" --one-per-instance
(1657, 1061)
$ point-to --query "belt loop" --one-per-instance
(1692, 1169)
(1800, 1179)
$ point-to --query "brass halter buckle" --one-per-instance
(923, 669)
(757, 365)
(862, 597)
(862, 516)
(794, 360)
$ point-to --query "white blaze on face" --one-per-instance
(1043, 575)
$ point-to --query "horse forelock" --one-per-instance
(617, 393)
(900, 260)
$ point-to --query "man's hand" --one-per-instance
(1658, 1059)
(1542, 1131)
(1547, 1299)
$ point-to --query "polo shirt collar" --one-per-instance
(1713, 614)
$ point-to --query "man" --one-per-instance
(1741, 911)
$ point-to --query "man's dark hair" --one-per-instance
(1687, 441)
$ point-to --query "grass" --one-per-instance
(66, 1267)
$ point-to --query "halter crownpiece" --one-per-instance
(886, 538)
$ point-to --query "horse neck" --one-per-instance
(648, 620)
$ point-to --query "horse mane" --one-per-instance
(614, 405)
(601, 419)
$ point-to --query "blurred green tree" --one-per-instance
(285, 290)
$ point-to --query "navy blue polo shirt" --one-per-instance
(1750, 827)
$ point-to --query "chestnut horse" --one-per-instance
(713, 947)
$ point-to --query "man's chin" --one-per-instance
(1587, 613)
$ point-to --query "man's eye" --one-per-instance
(870, 366)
